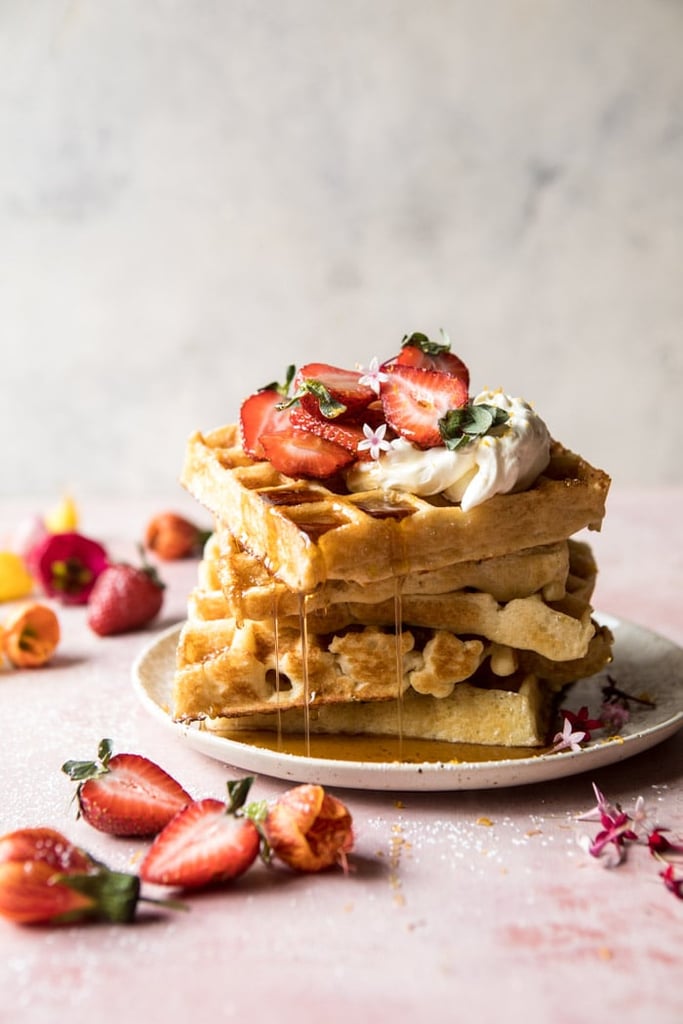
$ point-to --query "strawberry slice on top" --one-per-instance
(348, 434)
(332, 391)
(420, 352)
(414, 401)
(127, 794)
(261, 413)
(297, 453)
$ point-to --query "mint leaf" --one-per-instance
(460, 426)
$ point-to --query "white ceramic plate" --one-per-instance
(643, 663)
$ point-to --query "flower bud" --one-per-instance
(308, 829)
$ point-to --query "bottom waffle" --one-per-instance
(518, 716)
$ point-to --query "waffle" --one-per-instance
(225, 670)
(515, 717)
(233, 583)
(305, 534)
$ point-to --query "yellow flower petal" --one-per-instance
(63, 518)
(15, 579)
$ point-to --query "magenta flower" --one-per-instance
(661, 847)
(580, 720)
(67, 566)
(615, 832)
(673, 884)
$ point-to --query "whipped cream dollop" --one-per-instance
(507, 459)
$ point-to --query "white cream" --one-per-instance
(505, 460)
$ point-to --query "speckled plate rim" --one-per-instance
(644, 661)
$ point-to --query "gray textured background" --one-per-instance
(194, 194)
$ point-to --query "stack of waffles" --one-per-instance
(379, 611)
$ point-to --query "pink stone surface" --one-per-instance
(463, 905)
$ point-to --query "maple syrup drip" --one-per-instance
(398, 627)
(276, 640)
(303, 631)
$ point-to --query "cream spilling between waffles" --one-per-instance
(390, 555)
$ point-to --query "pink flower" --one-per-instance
(568, 739)
(374, 440)
(616, 830)
(373, 376)
(67, 566)
(614, 716)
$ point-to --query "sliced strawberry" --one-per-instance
(125, 795)
(300, 453)
(415, 400)
(332, 391)
(422, 354)
(346, 433)
(260, 415)
(207, 842)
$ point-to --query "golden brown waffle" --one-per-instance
(232, 583)
(224, 670)
(305, 534)
(515, 717)
(229, 670)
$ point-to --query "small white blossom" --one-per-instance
(374, 440)
(567, 740)
(642, 820)
(373, 376)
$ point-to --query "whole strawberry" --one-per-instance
(124, 598)
(171, 537)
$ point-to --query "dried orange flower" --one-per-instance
(30, 635)
(308, 829)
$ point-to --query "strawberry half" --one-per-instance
(300, 453)
(331, 391)
(415, 400)
(259, 414)
(207, 842)
(125, 795)
(422, 354)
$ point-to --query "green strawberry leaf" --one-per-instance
(79, 771)
(282, 389)
(238, 791)
(421, 341)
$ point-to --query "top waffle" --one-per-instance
(307, 534)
